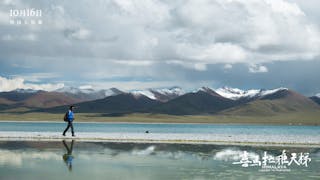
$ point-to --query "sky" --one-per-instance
(140, 44)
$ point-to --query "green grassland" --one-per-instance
(296, 118)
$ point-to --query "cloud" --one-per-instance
(165, 40)
(281, 6)
(264, 31)
(213, 53)
(140, 85)
(134, 62)
(18, 158)
(227, 66)
(200, 66)
(204, 31)
(34, 77)
(78, 34)
(4, 18)
(23, 37)
(254, 68)
(85, 87)
(19, 83)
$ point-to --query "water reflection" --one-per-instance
(42, 160)
(68, 157)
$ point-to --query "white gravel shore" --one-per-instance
(303, 140)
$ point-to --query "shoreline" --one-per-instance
(136, 118)
(176, 138)
(127, 122)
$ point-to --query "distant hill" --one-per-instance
(204, 101)
(121, 103)
(16, 96)
(43, 99)
(172, 101)
(88, 94)
(162, 95)
(34, 99)
(165, 95)
(5, 101)
(281, 101)
(37, 99)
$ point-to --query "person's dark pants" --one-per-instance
(69, 150)
(69, 125)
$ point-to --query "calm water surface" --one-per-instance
(96, 160)
(24, 160)
(162, 128)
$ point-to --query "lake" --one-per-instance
(79, 160)
(33, 160)
(235, 129)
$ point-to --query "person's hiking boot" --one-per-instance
(63, 134)
(73, 135)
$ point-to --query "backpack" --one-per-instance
(65, 117)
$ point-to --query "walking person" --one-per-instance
(69, 117)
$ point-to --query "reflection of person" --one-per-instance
(67, 157)
(70, 118)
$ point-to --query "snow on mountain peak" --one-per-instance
(235, 93)
(88, 90)
(318, 95)
(154, 93)
(204, 89)
(267, 92)
(26, 90)
(166, 94)
(147, 93)
(111, 92)
(166, 91)
(74, 90)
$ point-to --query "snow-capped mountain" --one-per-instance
(208, 91)
(235, 93)
(169, 91)
(174, 100)
(74, 90)
(25, 91)
(147, 93)
(89, 93)
(111, 92)
(163, 95)
(167, 94)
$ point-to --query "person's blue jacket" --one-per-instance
(70, 116)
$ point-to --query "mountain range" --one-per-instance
(174, 101)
